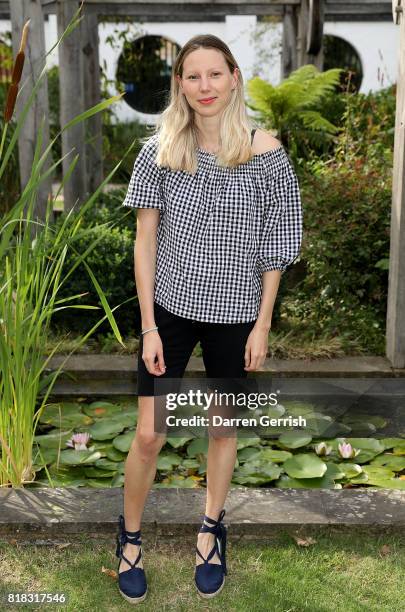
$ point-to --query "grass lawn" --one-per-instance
(339, 571)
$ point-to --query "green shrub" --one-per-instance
(346, 246)
(112, 262)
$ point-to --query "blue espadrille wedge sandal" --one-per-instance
(210, 577)
(132, 582)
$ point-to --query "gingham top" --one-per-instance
(219, 230)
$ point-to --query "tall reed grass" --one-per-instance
(30, 279)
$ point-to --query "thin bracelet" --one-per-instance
(148, 330)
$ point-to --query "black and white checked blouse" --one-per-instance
(219, 230)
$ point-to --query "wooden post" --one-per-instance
(395, 332)
(310, 28)
(71, 103)
(92, 96)
(20, 12)
(290, 35)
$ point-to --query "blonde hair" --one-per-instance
(176, 129)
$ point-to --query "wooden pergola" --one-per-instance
(79, 76)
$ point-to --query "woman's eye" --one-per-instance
(192, 76)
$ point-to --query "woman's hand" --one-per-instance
(152, 349)
(256, 349)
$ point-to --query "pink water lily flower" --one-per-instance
(79, 441)
(347, 451)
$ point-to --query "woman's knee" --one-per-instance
(148, 442)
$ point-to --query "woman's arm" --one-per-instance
(145, 269)
(147, 222)
(271, 282)
(257, 344)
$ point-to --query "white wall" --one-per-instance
(378, 47)
(256, 46)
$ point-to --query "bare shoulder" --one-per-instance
(263, 141)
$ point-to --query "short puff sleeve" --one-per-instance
(145, 189)
(281, 236)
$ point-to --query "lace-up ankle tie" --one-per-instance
(210, 577)
(132, 582)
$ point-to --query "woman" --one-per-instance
(222, 221)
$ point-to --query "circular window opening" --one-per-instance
(145, 68)
(338, 53)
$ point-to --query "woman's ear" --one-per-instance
(235, 77)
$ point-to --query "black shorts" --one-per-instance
(222, 344)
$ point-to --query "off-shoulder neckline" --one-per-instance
(264, 154)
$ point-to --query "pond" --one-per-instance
(292, 432)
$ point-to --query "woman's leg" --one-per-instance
(220, 466)
(178, 340)
(140, 470)
(223, 347)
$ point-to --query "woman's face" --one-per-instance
(205, 76)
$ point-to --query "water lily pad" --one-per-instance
(59, 408)
(105, 464)
(350, 470)
(63, 481)
(270, 454)
(379, 471)
(123, 443)
(334, 429)
(115, 455)
(362, 429)
(117, 480)
(256, 473)
(371, 444)
(178, 442)
(393, 462)
(74, 457)
(54, 439)
(190, 464)
(64, 476)
(166, 461)
(203, 466)
(198, 446)
(391, 442)
(376, 420)
(105, 429)
(359, 479)
(47, 455)
(64, 414)
(243, 442)
(248, 453)
(101, 409)
(296, 408)
(387, 483)
(365, 456)
(318, 425)
(101, 445)
(274, 412)
(93, 472)
(305, 466)
(190, 482)
(334, 471)
(126, 419)
(380, 476)
(98, 483)
(286, 482)
(294, 439)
